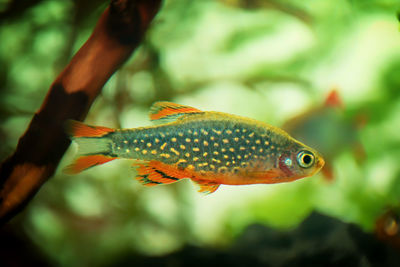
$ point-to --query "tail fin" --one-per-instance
(78, 129)
(94, 146)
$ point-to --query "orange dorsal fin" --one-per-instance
(85, 162)
(170, 111)
(152, 173)
(333, 99)
(79, 129)
(207, 187)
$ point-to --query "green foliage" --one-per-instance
(270, 60)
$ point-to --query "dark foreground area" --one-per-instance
(318, 241)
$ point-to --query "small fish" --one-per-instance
(328, 129)
(210, 148)
(387, 227)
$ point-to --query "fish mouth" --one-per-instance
(318, 166)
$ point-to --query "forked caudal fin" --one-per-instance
(168, 111)
(85, 162)
(94, 147)
(78, 129)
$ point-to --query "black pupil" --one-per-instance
(307, 159)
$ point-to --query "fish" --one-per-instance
(330, 130)
(387, 227)
(210, 148)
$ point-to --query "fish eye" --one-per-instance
(305, 159)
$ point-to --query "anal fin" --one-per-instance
(152, 173)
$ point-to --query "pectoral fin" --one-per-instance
(207, 187)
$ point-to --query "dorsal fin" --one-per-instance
(333, 99)
(168, 111)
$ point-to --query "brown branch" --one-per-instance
(116, 35)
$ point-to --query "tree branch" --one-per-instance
(116, 35)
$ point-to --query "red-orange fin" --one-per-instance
(154, 173)
(79, 129)
(207, 187)
(85, 162)
(171, 111)
(333, 99)
(327, 172)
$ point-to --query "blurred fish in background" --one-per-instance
(387, 227)
(330, 130)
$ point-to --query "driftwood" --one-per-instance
(116, 35)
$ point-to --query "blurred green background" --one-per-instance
(268, 60)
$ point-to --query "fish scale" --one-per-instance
(211, 148)
(219, 144)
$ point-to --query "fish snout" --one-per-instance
(320, 163)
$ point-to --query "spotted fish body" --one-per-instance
(211, 148)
